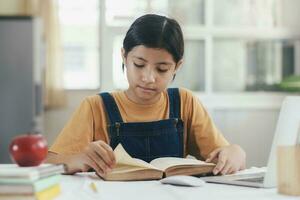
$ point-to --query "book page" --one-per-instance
(123, 158)
(166, 162)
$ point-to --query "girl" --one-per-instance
(148, 119)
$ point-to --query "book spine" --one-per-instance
(12, 189)
(24, 174)
(27, 176)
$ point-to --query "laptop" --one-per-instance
(286, 133)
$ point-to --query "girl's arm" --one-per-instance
(208, 140)
(97, 155)
(75, 146)
(71, 162)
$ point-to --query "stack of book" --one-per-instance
(28, 183)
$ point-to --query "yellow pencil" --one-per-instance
(93, 187)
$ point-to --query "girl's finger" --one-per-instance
(232, 170)
(110, 152)
(213, 155)
(220, 164)
(99, 161)
(90, 162)
(226, 168)
(103, 154)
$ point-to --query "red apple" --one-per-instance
(28, 150)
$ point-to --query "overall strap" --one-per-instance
(111, 107)
(174, 99)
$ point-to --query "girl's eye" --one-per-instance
(138, 65)
(162, 70)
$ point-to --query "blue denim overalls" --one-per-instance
(147, 140)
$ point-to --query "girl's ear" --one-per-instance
(123, 55)
(178, 66)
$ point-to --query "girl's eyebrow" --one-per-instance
(160, 63)
(164, 63)
(140, 58)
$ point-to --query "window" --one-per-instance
(254, 48)
(252, 65)
(80, 38)
(230, 45)
(192, 75)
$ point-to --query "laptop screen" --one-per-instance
(286, 133)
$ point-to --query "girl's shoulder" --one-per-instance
(93, 98)
(189, 99)
(186, 95)
(96, 99)
(91, 101)
(185, 91)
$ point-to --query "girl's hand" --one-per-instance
(229, 159)
(97, 155)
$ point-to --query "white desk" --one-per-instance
(78, 187)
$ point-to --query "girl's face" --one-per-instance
(149, 71)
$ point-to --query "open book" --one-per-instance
(128, 168)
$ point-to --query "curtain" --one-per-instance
(53, 86)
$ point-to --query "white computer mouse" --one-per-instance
(182, 180)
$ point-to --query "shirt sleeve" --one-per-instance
(77, 133)
(202, 135)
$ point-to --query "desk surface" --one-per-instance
(78, 187)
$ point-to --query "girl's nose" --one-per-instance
(148, 76)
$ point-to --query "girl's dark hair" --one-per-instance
(155, 31)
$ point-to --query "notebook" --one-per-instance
(286, 133)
